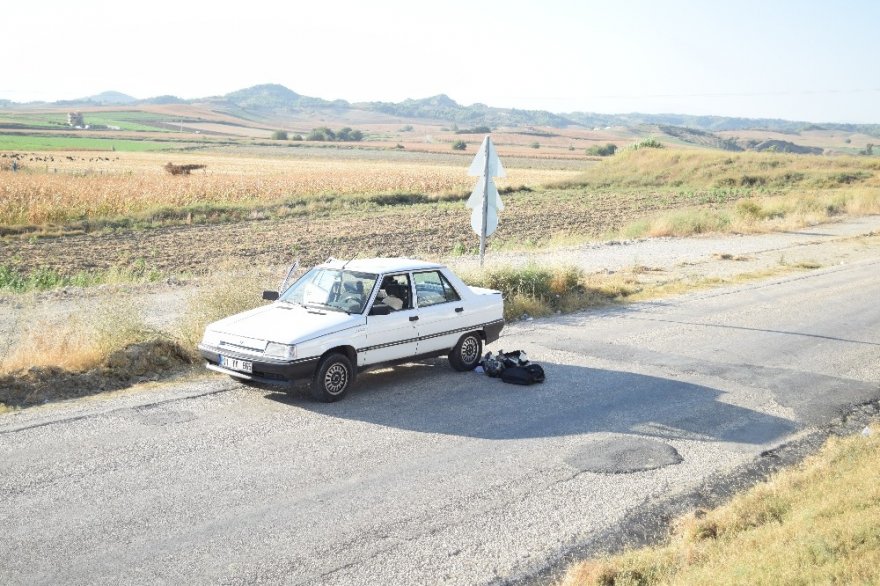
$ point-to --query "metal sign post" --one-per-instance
(484, 200)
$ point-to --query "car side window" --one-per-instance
(433, 288)
(395, 292)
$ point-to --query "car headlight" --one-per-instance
(212, 338)
(281, 351)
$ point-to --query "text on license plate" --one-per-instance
(236, 364)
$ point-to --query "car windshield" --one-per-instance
(334, 289)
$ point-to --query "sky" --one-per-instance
(810, 60)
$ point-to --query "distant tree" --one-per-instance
(345, 134)
(406, 128)
(296, 137)
(322, 133)
(602, 151)
(459, 145)
(279, 135)
(535, 145)
(869, 150)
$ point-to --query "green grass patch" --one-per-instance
(23, 142)
(35, 120)
(130, 120)
(45, 278)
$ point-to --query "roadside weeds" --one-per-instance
(814, 523)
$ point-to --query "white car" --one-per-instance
(340, 318)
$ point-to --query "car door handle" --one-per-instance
(459, 309)
(413, 318)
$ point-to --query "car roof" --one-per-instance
(382, 265)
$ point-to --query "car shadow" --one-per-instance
(428, 397)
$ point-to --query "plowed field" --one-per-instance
(424, 230)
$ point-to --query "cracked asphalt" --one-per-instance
(428, 476)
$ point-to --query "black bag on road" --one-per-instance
(512, 367)
(523, 375)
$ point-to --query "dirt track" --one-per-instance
(418, 230)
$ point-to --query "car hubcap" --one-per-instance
(469, 350)
(335, 379)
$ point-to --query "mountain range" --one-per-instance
(278, 102)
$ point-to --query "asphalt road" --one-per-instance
(428, 476)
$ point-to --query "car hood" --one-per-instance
(285, 323)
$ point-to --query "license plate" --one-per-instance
(236, 364)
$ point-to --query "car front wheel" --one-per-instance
(467, 352)
(334, 377)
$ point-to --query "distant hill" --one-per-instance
(442, 107)
(274, 101)
(159, 100)
(110, 98)
(715, 123)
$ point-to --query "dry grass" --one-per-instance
(755, 215)
(817, 523)
(72, 342)
(708, 170)
(54, 357)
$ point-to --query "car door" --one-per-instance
(442, 316)
(394, 335)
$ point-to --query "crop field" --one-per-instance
(74, 187)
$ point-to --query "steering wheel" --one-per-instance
(351, 302)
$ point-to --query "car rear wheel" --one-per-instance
(467, 352)
(333, 378)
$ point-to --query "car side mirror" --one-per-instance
(380, 309)
(270, 295)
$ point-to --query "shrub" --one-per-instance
(535, 145)
(349, 135)
(647, 143)
(279, 135)
(459, 145)
(474, 130)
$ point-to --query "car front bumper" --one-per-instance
(272, 373)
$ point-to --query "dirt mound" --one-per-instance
(136, 363)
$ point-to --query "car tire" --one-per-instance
(333, 378)
(467, 352)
